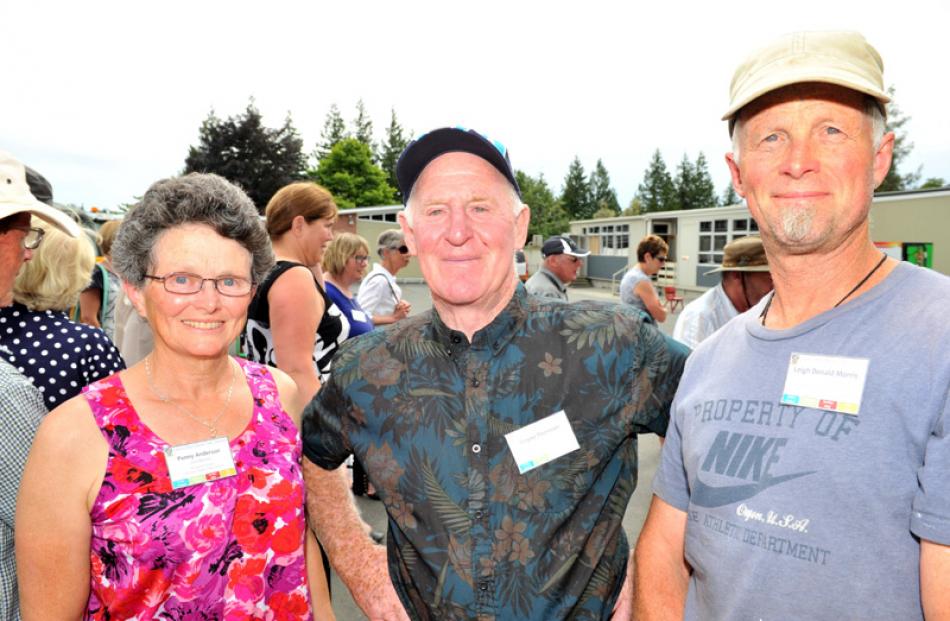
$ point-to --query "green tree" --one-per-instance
(363, 126)
(932, 183)
(547, 216)
(703, 192)
(334, 130)
(683, 184)
(349, 173)
(729, 196)
(634, 208)
(575, 197)
(656, 192)
(241, 149)
(896, 120)
(390, 150)
(602, 196)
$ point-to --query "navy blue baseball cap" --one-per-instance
(421, 151)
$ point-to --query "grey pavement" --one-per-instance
(649, 453)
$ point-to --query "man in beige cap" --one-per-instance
(17, 205)
(804, 473)
(745, 281)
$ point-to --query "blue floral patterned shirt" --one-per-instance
(426, 413)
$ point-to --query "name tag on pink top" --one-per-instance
(199, 462)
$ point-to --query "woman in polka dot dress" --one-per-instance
(59, 356)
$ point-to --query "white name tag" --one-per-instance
(199, 462)
(833, 383)
(359, 315)
(538, 443)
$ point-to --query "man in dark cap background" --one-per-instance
(499, 429)
(561, 264)
(745, 281)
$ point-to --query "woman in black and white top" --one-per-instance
(292, 323)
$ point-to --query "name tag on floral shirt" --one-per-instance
(199, 462)
(542, 441)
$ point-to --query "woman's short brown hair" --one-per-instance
(652, 244)
(343, 248)
(303, 198)
(107, 235)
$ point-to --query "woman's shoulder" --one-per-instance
(70, 428)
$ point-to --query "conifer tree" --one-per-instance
(575, 197)
(656, 192)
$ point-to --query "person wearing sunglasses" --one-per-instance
(173, 489)
(637, 288)
(562, 262)
(379, 294)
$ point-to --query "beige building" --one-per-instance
(912, 225)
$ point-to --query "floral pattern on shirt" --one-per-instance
(426, 413)
(228, 550)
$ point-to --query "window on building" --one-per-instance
(715, 234)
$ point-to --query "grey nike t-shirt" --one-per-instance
(801, 513)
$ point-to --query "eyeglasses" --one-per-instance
(361, 258)
(661, 259)
(572, 259)
(404, 249)
(32, 238)
(183, 283)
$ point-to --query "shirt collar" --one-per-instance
(496, 334)
(554, 279)
(378, 267)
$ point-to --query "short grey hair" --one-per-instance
(516, 204)
(390, 238)
(197, 198)
(872, 109)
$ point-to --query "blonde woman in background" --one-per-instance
(36, 335)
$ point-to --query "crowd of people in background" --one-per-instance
(177, 412)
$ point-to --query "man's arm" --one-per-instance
(359, 562)
(661, 574)
(935, 580)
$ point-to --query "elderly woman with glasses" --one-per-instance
(173, 490)
(379, 294)
(344, 265)
(58, 355)
(636, 288)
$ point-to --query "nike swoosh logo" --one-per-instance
(710, 496)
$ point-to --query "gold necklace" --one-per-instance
(213, 425)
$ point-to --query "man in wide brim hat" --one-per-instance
(745, 281)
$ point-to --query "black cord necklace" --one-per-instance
(765, 311)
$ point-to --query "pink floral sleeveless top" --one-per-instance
(224, 550)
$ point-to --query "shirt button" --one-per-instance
(476, 448)
(475, 382)
(478, 515)
(482, 586)
(456, 339)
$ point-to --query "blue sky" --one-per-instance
(104, 98)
